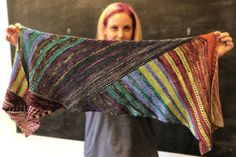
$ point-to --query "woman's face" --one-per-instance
(119, 27)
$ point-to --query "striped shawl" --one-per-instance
(174, 81)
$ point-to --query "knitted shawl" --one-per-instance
(174, 80)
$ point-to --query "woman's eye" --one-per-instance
(114, 28)
(127, 28)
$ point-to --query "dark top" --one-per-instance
(118, 136)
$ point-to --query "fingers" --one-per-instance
(224, 42)
(225, 37)
(12, 33)
(13, 29)
(12, 39)
(8, 38)
(230, 44)
(217, 33)
(18, 26)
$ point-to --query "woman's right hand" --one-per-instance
(12, 33)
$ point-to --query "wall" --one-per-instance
(160, 19)
(13, 143)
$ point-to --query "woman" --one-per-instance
(124, 136)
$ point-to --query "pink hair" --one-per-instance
(119, 8)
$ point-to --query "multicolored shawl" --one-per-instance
(175, 81)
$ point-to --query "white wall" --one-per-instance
(12, 143)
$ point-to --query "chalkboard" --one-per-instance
(160, 19)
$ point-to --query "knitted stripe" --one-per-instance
(173, 80)
(166, 87)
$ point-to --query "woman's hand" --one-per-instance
(12, 33)
(224, 43)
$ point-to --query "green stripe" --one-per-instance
(120, 100)
(33, 36)
(144, 94)
(56, 54)
(132, 100)
(43, 52)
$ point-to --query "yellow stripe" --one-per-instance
(19, 76)
(172, 93)
(159, 89)
(193, 84)
(23, 88)
(175, 68)
(18, 84)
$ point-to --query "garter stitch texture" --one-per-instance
(174, 81)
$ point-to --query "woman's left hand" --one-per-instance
(224, 42)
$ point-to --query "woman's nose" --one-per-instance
(120, 33)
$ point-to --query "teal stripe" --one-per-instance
(120, 100)
(32, 36)
(121, 89)
(136, 85)
(44, 51)
(49, 62)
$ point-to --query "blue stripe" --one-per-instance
(159, 64)
(155, 97)
(131, 83)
